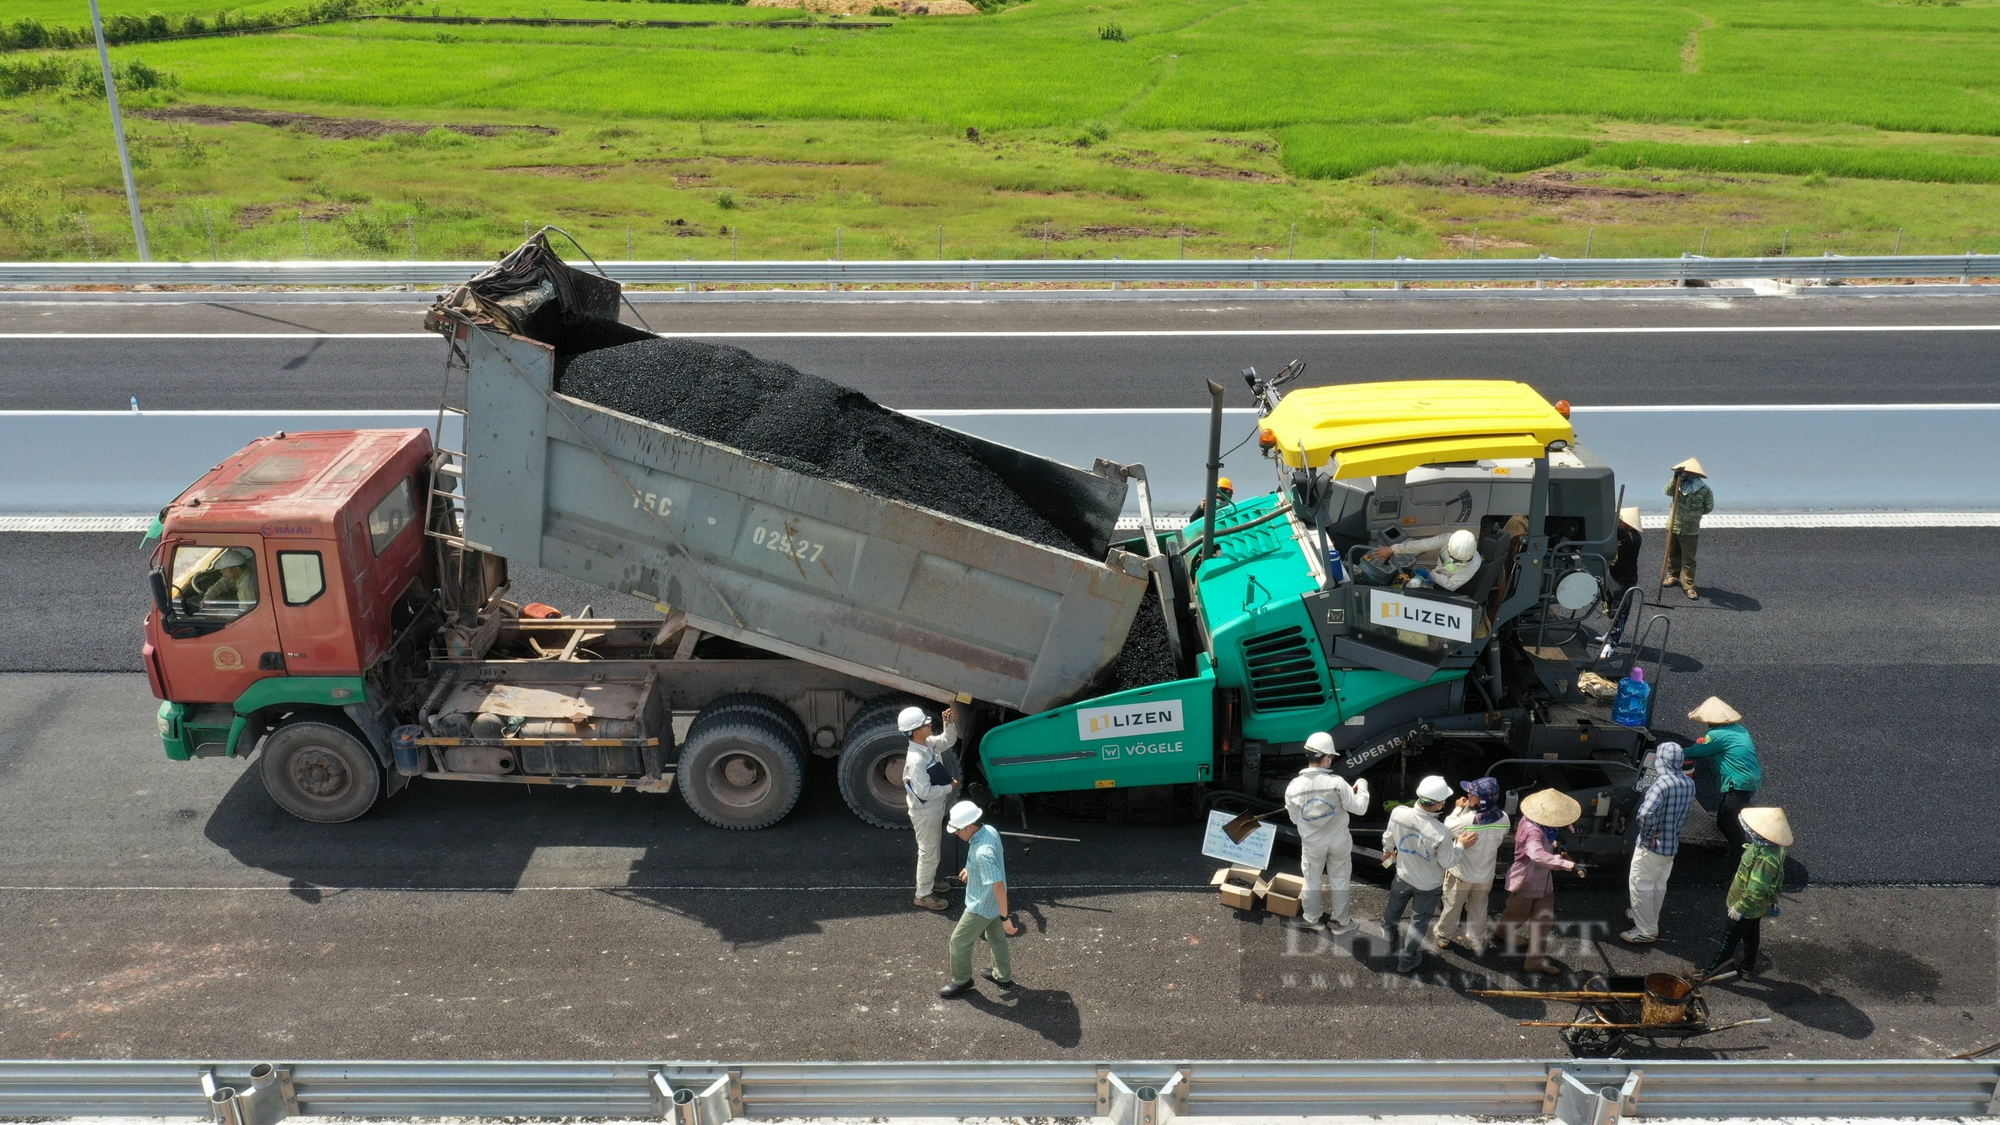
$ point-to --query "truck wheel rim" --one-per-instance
(885, 780)
(739, 780)
(320, 773)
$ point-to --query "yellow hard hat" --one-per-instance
(1226, 485)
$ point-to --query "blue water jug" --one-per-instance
(1634, 699)
(1335, 573)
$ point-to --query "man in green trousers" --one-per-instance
(986, 915)
(1691, 501)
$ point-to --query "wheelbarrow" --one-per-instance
(1612, 1011)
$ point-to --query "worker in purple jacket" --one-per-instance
(1531, 889)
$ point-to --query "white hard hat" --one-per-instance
(963, 815)
(912, 718)
(1461, 546)
(1434, 788)
(1320, 745)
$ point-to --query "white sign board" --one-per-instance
(1254, 851)
(1392, 609)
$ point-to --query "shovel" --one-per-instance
(1239, 829)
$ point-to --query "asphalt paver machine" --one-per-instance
(1287, 627)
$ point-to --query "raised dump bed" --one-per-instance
(792, 563)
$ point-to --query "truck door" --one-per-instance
(311, 605)
(220, 634)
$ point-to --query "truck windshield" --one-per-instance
(217, 583)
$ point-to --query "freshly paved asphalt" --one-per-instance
(1868, 686)
(159, 909)
(1722, 351)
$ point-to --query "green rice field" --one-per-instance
(1120, 127)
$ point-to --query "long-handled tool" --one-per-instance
(1673, 517)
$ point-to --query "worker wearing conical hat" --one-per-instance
(1728, 743)
(1531, 889)
(1692, 500)
(1753, 894)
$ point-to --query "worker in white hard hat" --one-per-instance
(928, 786)
(1458, 557)
(1319, 801)
(1421, 848)
(986, 913)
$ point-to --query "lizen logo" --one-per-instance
(1420, 615)
(1128, 719)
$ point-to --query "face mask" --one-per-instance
(1689, 484)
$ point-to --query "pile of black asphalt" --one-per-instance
(804, 423)
(1148, 655)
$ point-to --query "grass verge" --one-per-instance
(1803, 160)
(1331, 152)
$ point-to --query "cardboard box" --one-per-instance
(1236, 873)
(1237, 885)
(1282, 893)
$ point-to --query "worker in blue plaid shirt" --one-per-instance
(1662, 812)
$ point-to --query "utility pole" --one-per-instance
(118, 129)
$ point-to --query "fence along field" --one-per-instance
(1840, 88)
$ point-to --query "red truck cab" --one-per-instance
(276, 580)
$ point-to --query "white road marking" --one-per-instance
(1141, 333)
(903, 887)
(1817, 520)
(75, 523)
(1663, 408)
(432, 337)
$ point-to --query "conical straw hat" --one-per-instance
(1770, 824)
(1629, 516)
(1551, 808)
(1691, 465)
(1714, 711)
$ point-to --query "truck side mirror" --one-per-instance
(162, 599)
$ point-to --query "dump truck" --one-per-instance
(337, 604)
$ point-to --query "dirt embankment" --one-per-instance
(867, 7)
(336, 128)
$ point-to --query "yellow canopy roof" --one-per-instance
(1382, 429)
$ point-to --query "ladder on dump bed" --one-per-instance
(444, 503)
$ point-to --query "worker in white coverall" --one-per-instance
(927, 790)
(1458, 557)
(1319, 801)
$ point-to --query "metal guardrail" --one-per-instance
(1505, 1088)
(1251, 271)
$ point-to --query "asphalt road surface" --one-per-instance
(153, 908)
(158, 909)
(1073, 354)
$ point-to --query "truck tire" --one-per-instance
(891, 705)
(871, 766)
(737, 772)
(320, 771)
(770, 710)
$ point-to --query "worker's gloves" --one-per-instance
(1735, 917)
